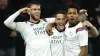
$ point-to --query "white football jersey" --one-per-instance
(50, 20)
(57, 43)
(36, 38)
(76, 37)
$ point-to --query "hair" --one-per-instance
(31, 3)
(73, 6)
(60, 12)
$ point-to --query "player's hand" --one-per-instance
(87, 24)
(49, 29)
(83, 11)
(24, 10)
(13, 34)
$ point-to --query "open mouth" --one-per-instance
(71, 18)
(37, 14)
(61, 25)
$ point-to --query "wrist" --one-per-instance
(19, 11)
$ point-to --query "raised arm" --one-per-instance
(92, 29)
(9, 22)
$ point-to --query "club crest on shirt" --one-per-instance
(70, 33)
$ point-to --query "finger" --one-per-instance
(86, 14)
(49, 32)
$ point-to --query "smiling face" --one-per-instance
(60, 21)
(35, 11)
(72, 16)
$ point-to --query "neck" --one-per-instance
(59, 29)
(34, 21)
(73, 24)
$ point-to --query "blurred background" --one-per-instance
(49, 8)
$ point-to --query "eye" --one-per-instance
(63, 18)
(58, 18)
(74, 13)
(34, 9)
(69, 13)
(39, 9)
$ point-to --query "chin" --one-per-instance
(61, 29)
(37, 18)
(72, 23)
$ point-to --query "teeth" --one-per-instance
(61, 24)
(36, 14)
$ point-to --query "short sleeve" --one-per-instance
(83, 37)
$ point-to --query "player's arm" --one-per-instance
(9, 22)
(93, 32)
(83, 51)
(92, 29)
(49, 28)
(49, 20)
(83, 41)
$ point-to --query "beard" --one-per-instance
(34, 18)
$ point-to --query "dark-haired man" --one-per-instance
(57, 38)
(76, 41)
(32, 31)
(91, 29)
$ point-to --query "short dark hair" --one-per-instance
(73, 6)
(31, 3)
(60, 12)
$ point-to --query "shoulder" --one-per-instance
(50, 19)
(81, 29)
(21, 23)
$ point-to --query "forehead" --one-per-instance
(72, 10)
(60, 15)
(35, 6)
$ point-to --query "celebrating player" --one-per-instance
(32, 31)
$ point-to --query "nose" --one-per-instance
(61, 21)
(71, 15)
(37, 11)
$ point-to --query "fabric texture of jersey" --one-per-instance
(50, 20)
(35, 37)
(76, 37)
(57, 43)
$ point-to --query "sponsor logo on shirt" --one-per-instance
(56, 39)
(39, 30)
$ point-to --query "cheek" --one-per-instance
(67, 17)
(32, 13)
(39, 11)
(76, 16)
